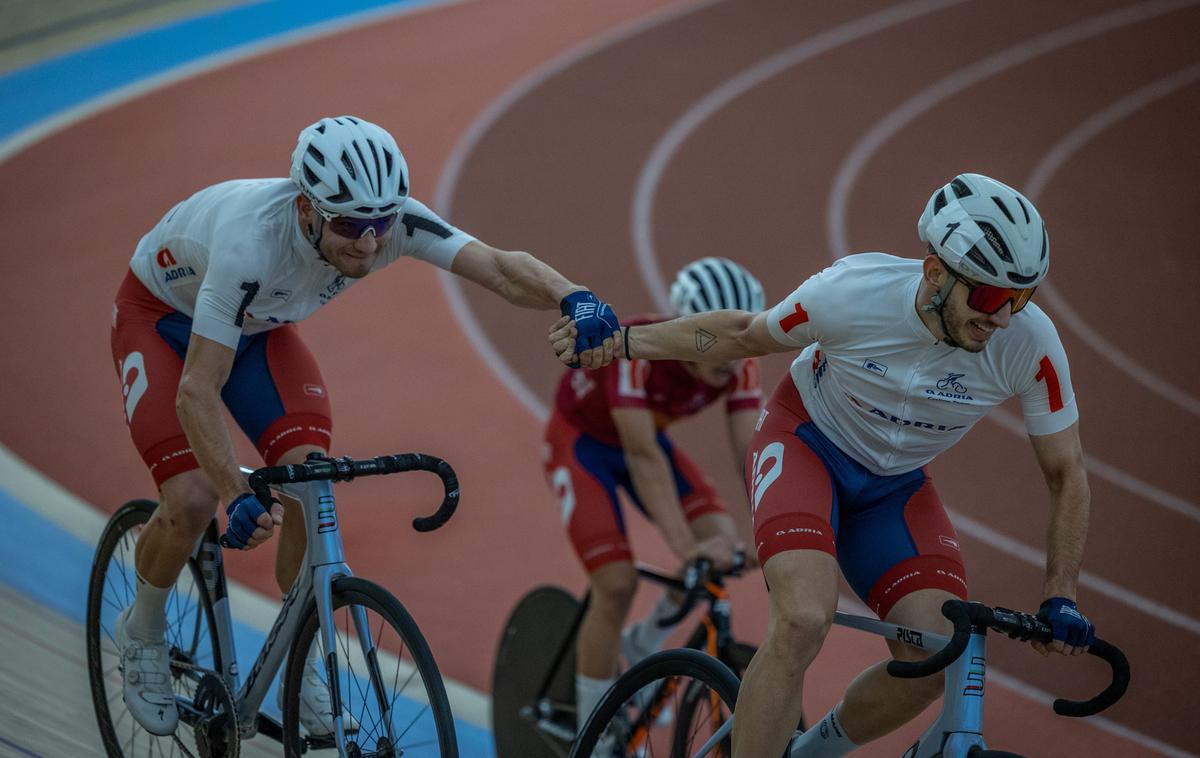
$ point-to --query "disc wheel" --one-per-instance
(536, 631)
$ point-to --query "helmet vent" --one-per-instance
(996, 241)
(960, 188)
(700, 294)
(1045, 243)
(343, 194)
(979, 260)
(349, 165)
(317, 155)
(939, 202)
(1023, 208)
(310, 177)
(1003, 209)
(1023, 281)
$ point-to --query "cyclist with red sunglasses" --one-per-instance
(206, 314)
(899, 359)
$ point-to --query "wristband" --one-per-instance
(625, 339)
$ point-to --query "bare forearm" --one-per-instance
(655, 487)
(530, 283)
(716, 337)
(200, 415)
(1066, 535)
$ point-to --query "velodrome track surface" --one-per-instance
(618, 140)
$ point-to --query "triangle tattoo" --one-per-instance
(705, 340)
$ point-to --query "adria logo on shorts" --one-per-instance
(768, 465)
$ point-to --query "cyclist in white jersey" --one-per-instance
(206, 315)
(899, 359)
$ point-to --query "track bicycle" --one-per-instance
(614, 728)
(533, 682)
(388, 696)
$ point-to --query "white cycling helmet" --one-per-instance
(350, 167)
(713, 284)
(987, 231)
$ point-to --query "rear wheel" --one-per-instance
(528, 722)
(669, 704)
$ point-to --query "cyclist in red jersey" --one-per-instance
(607, 432)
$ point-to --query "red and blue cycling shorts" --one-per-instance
(275, 392)
(890, 534)
(585, 475)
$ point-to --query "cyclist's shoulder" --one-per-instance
(860, 283)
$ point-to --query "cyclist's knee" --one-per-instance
(613, 587)
(800, 629)
(188, 501)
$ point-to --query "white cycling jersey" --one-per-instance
(234, 259)
(884, 390)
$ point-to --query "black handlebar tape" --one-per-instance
(1111, 694)
(956, 611)
(345, 469)
(693, 585)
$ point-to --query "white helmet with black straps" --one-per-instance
(987, 231)
(713, 284)
(350, 167)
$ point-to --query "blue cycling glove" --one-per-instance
(243, 520)
(594, 321)
(1068, 624)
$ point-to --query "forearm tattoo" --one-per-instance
(704, 340)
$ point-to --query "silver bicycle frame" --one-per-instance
(958, 728)
(324, 561)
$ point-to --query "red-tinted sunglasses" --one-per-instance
(988, 298)
(354, 228)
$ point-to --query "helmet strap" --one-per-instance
(936, 305)
(313, 234)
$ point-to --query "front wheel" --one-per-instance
(388, 683)
(190, 635)
(669, 704)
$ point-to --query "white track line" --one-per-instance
(642, 212)
(650, 176)
(1109, 473)
(1041, 176)
(958, 82)
(448, 183)
(1026, 554)
(64, 119)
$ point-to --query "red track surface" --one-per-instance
(555, 174)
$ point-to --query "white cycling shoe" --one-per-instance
(316, 706)
(632, 646)
(146, 680)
